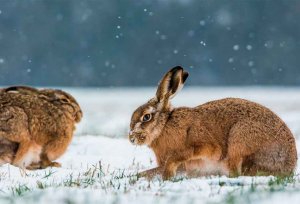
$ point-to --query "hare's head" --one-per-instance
(148, 120)
(64, 101)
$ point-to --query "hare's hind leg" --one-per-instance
(46, 160)
(276, 159)
(14, 128)
(43, 163)
(254, 148)
(54, 149)
(28, 153)
(245, 138)
(279, 157)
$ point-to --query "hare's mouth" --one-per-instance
(78, 116)
(138, 139)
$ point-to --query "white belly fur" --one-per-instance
(200, 167)
(32, 156)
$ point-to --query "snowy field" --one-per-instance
(100, 164)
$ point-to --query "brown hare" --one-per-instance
(230, 136)
(36, 126)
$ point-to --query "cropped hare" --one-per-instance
(36, 126)
(229, 137)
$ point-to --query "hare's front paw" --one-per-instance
(55, 164)
(143, 174)
(41, 165)
(34, 166)
(149, 174)
(51, 164)
(168, 174)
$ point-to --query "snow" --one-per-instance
(100, 164)
(202, 23)
(249, 47)
(231, 60)
(250, 63)
(236, 47)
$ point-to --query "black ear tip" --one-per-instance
(184, 76)
(175, 69)
(178, 67)
(11, 88)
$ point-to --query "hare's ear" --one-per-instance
(21, 89)
(171, 84)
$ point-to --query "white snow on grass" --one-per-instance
(100, 165)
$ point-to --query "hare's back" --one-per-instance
(36, 109)
(229, 111)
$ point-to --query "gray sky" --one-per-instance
(132, 43)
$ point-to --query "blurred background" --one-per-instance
(132, 43)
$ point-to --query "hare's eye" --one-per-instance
(65, 100)
(147, 117)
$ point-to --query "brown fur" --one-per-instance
(36, 126)
(229, 136)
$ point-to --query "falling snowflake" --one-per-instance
(202, 23)
(250, 63)
(249, 47)
(236, 47)
(231, 60)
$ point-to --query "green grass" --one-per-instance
(20, 190)
(258, 192)
(122, 182)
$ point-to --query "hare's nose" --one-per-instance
(132, 139)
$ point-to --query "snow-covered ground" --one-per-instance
(100, 164)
